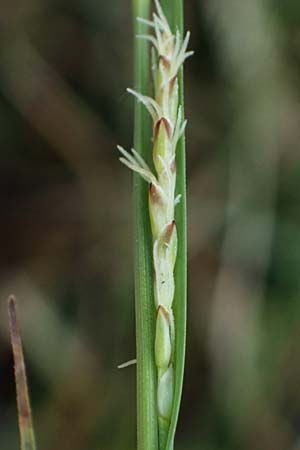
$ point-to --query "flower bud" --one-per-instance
(162, 142)
(165, 393)
(157, 210)
(163, 345)
(164, 256)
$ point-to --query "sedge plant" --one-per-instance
(161, 310)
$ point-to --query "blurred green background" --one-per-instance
(67, 232)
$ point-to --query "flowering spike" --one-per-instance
(169, 52)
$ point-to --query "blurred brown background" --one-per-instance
(66, 223)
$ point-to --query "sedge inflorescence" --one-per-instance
(169, 52)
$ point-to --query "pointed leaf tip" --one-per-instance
(27, 437)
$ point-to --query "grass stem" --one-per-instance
(27, 437)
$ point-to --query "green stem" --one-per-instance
(147, 434)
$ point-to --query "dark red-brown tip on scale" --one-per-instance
(169, 231)
(172, 83)
(153, 193)
(165, 62)
(162, 122)
(164, 312)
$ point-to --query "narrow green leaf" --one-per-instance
(147, 432)
(174, 13)
(27, 437)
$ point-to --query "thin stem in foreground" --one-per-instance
(27, 437)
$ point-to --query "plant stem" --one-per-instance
(27, 437)
(147, 433)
